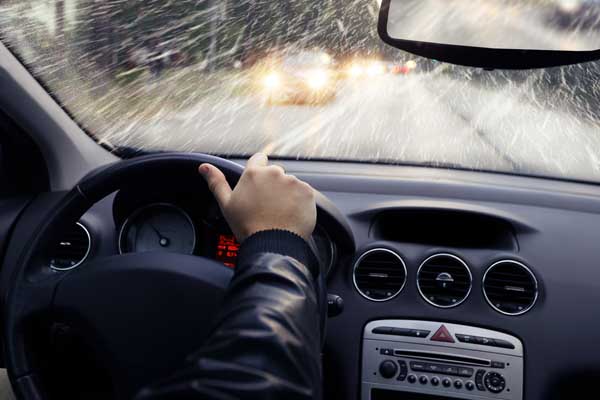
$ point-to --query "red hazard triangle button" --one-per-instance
(442, 335)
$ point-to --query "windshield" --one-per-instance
(300, 79)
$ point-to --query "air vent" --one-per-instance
(379, 274)
(510, 287)
(444, 280)
(72, 248)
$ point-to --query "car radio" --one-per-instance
(435, 360)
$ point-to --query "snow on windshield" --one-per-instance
(224, 77)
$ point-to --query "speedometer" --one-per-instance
(158, 227)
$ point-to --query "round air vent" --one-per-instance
(71, 249)
(444, 280)
(379, 274)
(510, 287)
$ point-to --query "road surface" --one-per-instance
(436, 118)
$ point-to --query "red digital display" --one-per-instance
(227, 250)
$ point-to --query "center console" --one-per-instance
(434, 360)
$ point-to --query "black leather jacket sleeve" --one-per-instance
(266, 343)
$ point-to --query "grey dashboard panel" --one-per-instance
(560, 244)
(450, 360)
(558, 240)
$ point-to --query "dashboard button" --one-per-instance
(497, 364)
(409, 332)
(388, 369)
(419, 333)
(386, 352)
(484, 341)
(446, 369)
(433, 367)
(466, 372)
(383, 330)
(470, 385)
(401, 332)
(412, 379)
(403, 371)
(423, 380)
(494, 382)
(435, 381)
(446, 382)
(465, 338)
(335, 305)
(442, 335)
(458, 384)
(479, 380)
(503, 343)
(418, 366)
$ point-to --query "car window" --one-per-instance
(207, 76)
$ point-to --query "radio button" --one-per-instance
(446, 369)
(479, 380)
(403, 371)
(466, 372)
(386, 352)
(411, 378)
(433, 368)
(497, 364)
(435, 381)
(446, 382)
(388, 369)
(423, 380)
(494, 382)
(470, 385)
(458, 384)
(418, 366)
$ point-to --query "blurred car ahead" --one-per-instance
(361, 68)
(304, 77)
(404, 68)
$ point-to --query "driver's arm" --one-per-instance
(267, 339)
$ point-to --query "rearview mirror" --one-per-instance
(494, 33)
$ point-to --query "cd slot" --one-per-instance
(442, 357)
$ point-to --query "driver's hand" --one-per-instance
(265, 198)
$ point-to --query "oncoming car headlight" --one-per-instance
(375, 68)
(355, 70)
(272, 80)
(317, 79)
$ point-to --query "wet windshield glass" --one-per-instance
(301, 79)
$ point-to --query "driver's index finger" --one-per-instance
(258, 160)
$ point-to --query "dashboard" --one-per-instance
(487, 257)
(176, 226)
(170, 217)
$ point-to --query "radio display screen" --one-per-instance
(381, 394)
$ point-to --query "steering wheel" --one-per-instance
(143, 313)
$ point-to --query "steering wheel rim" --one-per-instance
(31, 286)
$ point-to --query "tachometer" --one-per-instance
(158, 227)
